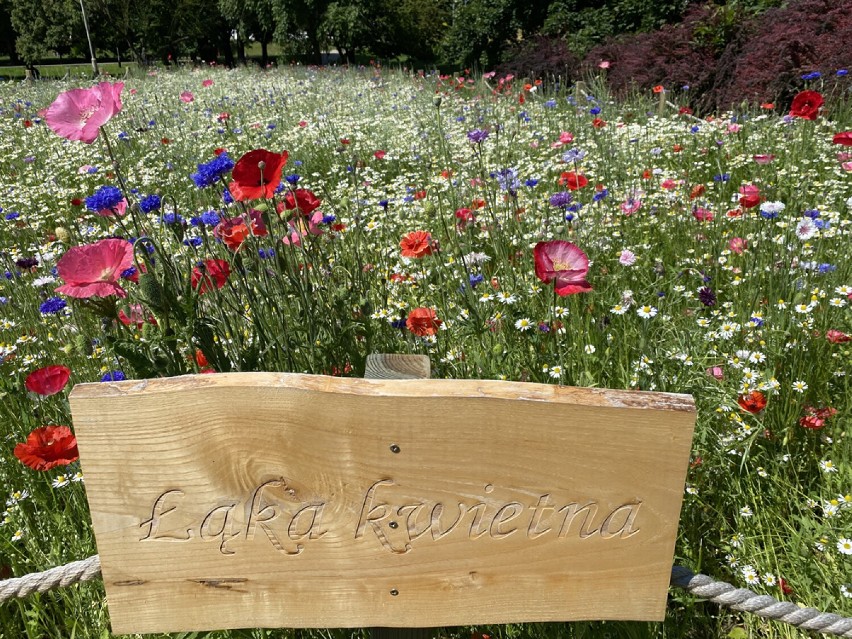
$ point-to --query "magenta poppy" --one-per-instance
(78, 114)
(48, 380)
(48, 447)
(257, 174)
(564, 264)
(94, 270)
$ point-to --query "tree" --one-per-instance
(43, 26)
(297, 25)
(252, 20)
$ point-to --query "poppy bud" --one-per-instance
(153, 292)
(62, 234)
(261, 165)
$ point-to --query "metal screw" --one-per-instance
(394, 448)
(394, 592)
(393, 525)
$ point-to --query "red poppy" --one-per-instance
(380, 155)
(137, 316)
(811, 422)
(48, 380)
(658, 89)
(232, 231)
(806, 105)
(27, 124)
(573, 181)
(598, 123)
(219, 151)
(785, 587)
(257, 174)
(697, 191)
(416, 244)
(423, 322)
(564, 264)
(47, 447)
(303, 199)
(752, 403)
(209, 274)
(844, 138)
(94, 269)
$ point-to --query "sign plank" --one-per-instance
(286, 500)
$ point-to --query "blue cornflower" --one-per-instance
(826, 268)
(475, 279)
(384, 204)
(569, 217)
(822, 224)
(757, 321)
(193, 241)
(722, 177)
(12, 215)
(814, 75)
(113, 376)
(210, 172)
(3, 300)
(328, 218)
(150, 203)
(575, 207)
(400, 323)
(695, 129)
(210, 218)
(227, 198)
(271, 126)
(92, 170)
(266, 253)
(127, 273)
(573, 155)
(561, 199)
(293, 179)
(841, 72)
(477, 135)
(531, 182)
(597, 197)
(507, 179)
(594, 110)
(171, 218)
(812, 213)
(52, 305)
(550, 104)
(106, 197)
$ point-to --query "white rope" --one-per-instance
(699, 585)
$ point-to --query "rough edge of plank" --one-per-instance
(402, 388)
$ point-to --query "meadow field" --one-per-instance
(508, 229)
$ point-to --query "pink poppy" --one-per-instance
(737, 245)
(299, 229)
(187, 97)
(207, 83)
(117, 211)
(94, 269)
(631, 205)
(564, 264)
(702, 215)
(380, 155)
(79, 114)
(763, 158)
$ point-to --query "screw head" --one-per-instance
(393, 525)
(394, 448)
(394, 592)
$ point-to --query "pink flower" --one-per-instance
(117, 211)
(564, 138)
(187, 97)
(380, 155)
(702, 215)
(94, 269)
(627, 258)
(737, 245)
(79, 114)
(298, 229)
(564, 264)
(604, 64)
(716, 372)
(631, 205)
(207, 83)
(763, 158)
(847, 166)
(837, 337)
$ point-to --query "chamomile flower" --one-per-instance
(523, 324)
(827, 466)
(618, 309)
(506, 298)
(746, 511)
(646, 312)
(844, 546)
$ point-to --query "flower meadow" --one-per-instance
(299, 219)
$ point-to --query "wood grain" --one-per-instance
(284, 500)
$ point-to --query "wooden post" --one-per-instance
(387, 366)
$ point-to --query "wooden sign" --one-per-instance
(283, 500)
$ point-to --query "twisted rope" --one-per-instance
(58, 577)
(764, 606)
(702, 586)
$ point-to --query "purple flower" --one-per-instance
(561, 200)
(477, 135)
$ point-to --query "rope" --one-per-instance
(58, 577)
(765, 606)
(702, 586)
